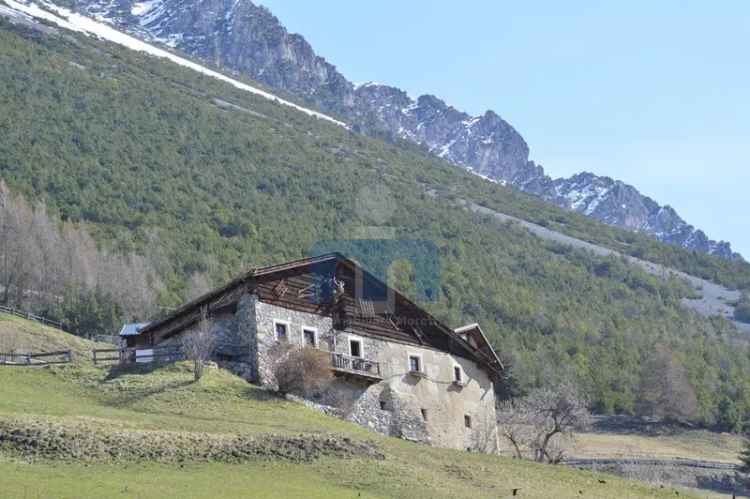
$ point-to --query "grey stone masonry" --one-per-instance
(268, 316)
(246, 334)
(427, 406)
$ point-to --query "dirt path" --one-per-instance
(683, 463)
(715, 300)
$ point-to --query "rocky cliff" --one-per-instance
(244, 38)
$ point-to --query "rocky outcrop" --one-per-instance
(616, 203)
(242, 37)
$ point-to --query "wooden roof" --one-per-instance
(475, 333)
(290, 285)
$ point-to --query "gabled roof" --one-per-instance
(239, 281)
(483, 352)
(474, 331)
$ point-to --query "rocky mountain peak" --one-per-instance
(248, 39)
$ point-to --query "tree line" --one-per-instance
(57, 269)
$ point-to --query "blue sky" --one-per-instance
(656, 94)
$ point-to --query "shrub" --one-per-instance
(303, 371)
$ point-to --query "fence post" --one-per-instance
(94, 351)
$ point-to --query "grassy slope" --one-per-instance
(689, 444)
(166, 399)
(21, 335)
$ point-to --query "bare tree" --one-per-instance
(515, 424)
(484, 434)
(199, 344)
(665, 390)
(536, 424)
(16, 252)
(42, 261)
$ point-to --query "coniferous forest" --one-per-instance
(137, 162)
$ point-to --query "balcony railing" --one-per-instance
(355, 365)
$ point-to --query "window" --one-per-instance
(424, 414)
(415, 363)
(309, 336)
(355, 347)
(282, 330)
(467, 421)
(457, 374)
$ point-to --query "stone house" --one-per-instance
(398, 370)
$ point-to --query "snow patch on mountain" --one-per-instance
(76, 22)
(247, 39)
(143, 8)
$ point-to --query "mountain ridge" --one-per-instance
(247, 38)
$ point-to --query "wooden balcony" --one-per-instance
(356, 366)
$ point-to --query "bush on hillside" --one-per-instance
(301, 371)
(34, 438)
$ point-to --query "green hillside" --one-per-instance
(23, 336)
(139, 149)
(79, 432)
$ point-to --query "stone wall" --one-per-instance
(223, 326)
(236, 344)
(395, 405)
(429, 408)
(246, 327)
(265, 318)
(405, 396)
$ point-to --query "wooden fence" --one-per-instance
(36, 359)
(33, 317)
(163, 355)
(108, 356)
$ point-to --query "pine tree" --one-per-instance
(742, 310)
